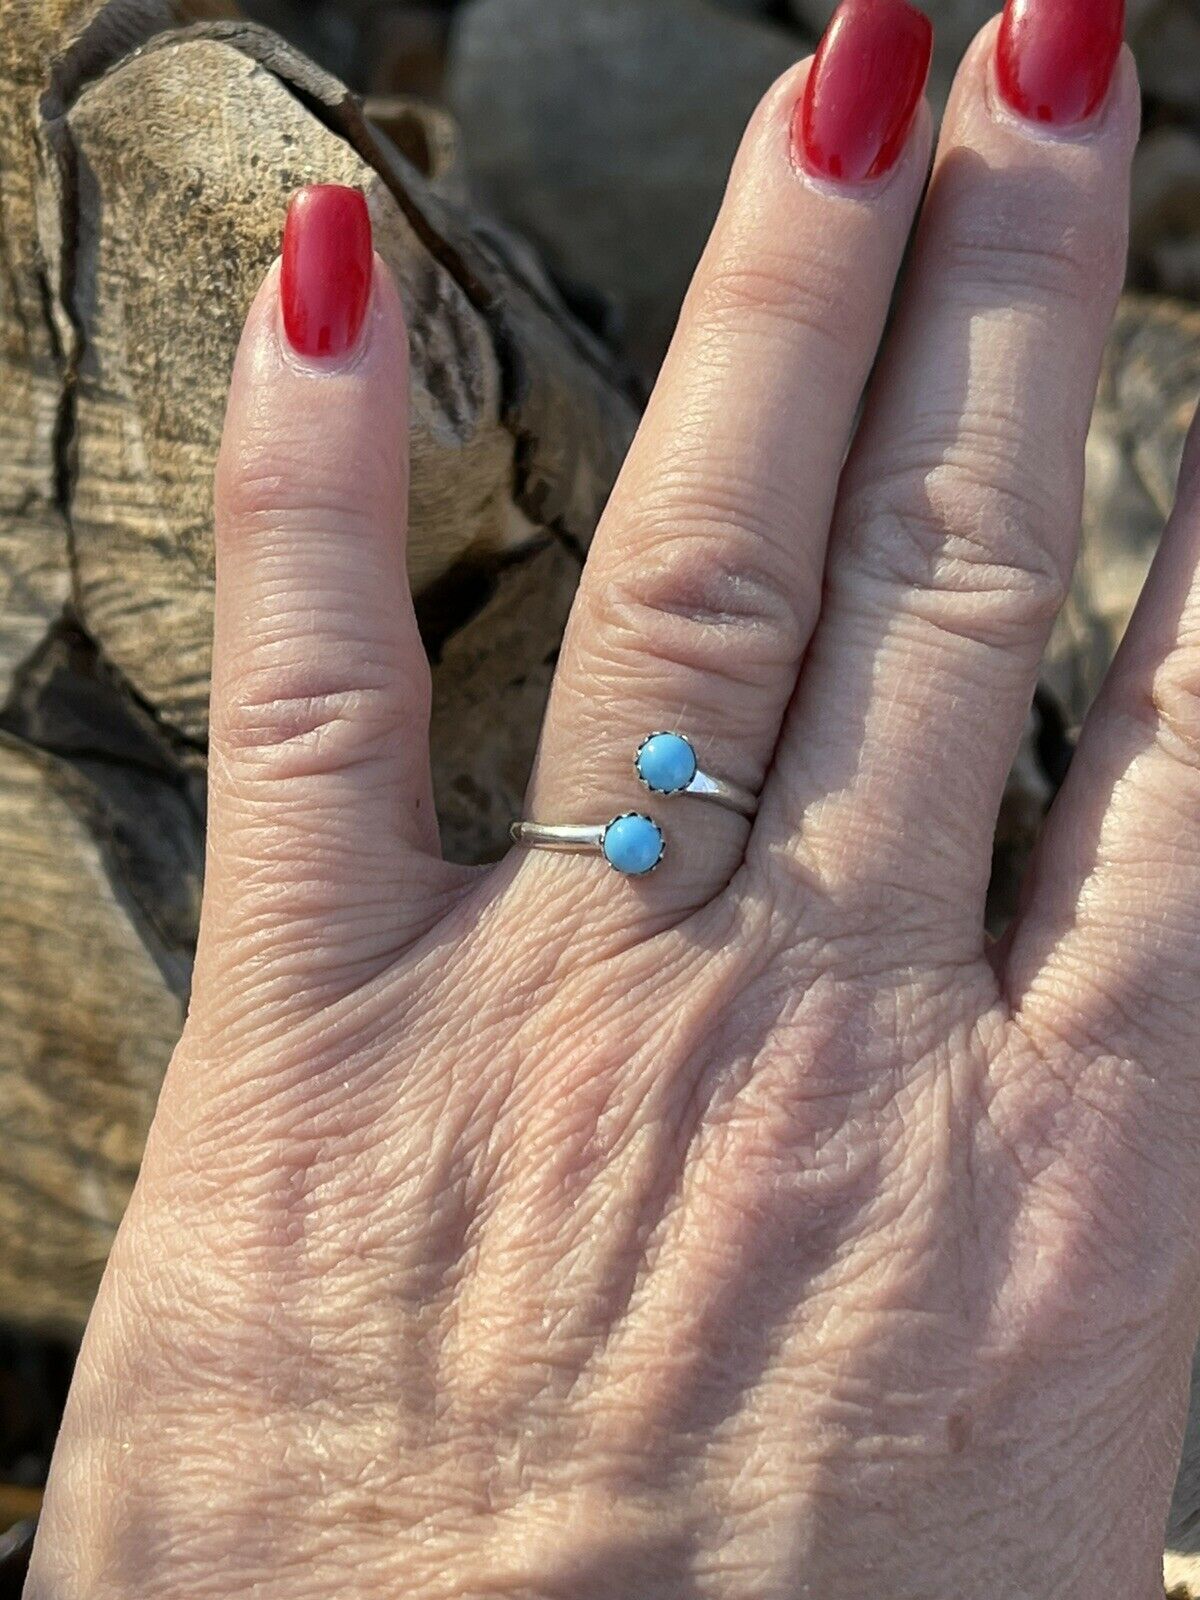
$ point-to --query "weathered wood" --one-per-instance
(34, 565)
(493, 677)
(143, 195)
(197, 141)
(87, 1023)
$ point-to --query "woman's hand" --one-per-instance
(752, 1229)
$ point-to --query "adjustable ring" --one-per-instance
(632, 844)
(666, 764)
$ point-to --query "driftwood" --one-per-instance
(144, 177)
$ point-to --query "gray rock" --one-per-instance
(604, 129)
(1165, 221)
(1168, 53)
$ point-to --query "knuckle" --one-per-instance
(1172, 707)
(705, 596)
(302, 481)
(1039, 260)
(282, 724)
(970, 554)
(784, 296)
(262, 497)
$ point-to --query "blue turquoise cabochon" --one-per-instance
(633, 844)
(666, 763)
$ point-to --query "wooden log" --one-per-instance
(170, 174)
(143, 193)
(87, 1025)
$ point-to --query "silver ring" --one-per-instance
(666, 764)
(632, 843)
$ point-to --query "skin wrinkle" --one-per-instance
(938, 523)
(603, 1157)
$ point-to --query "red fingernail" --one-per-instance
(1055, 58)
(863, 90)
(325, 280)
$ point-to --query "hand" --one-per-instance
(752, 1229)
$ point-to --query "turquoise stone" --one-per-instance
(633, 844)
(666, 763)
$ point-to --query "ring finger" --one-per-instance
(958, 515)
(705, 577)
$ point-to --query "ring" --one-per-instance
(632, 844)
(666, 763)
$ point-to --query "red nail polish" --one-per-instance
(325, 280)
(1055, 58)
(863, 90)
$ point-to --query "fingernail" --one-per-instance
(863, 90)
(325, 279)
(1055, 58)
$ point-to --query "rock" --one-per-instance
(402, 50)
(1167, 45)
(1141, 15)
(956, 22)
(1165, 221)
(603, 130)
(748, 8)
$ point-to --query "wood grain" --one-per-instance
(145, 170)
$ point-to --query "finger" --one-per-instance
(1108, 944)
(958, 517)
(705, 576)
(321, 818)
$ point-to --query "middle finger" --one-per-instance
(705, 576)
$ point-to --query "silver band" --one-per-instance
(666, 764)
(730, 795)
(576, 838)
(632, 844)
